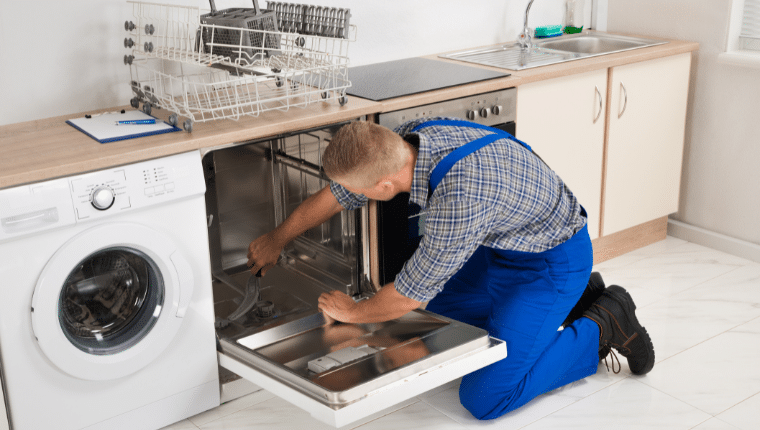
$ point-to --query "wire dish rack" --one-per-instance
(196, 68)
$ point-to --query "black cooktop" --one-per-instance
(382, 81)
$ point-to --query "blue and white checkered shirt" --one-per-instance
(502, 196)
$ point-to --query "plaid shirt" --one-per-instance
(502, 196)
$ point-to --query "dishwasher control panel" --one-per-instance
(490, 109)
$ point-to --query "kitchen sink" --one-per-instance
(596, 44)
(552, 51)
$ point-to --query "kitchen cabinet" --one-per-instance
(647, 117)
(631, 174)
(563, 120)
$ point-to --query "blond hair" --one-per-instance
(363, 152)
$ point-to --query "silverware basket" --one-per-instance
(222, 34)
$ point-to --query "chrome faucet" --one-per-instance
(525, 37)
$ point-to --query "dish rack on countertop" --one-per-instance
(223, 64)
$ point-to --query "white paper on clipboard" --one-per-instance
(104, 127)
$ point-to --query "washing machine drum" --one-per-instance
(110, 301)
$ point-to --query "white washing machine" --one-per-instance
(106, 312)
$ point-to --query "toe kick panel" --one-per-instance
(341, 373)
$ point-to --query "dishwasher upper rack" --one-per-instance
(304, 68)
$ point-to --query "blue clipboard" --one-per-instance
(105, 128)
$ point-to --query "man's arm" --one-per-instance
(318, 208)
(386, 305)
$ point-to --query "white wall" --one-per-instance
(720, 189)
(63, 57)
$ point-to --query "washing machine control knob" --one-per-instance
(103, 197)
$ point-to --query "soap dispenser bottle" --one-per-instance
(572, 20)
(570, 14)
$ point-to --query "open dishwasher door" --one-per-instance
(341, 373)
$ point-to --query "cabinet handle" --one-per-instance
(600, 104)
(625, 102)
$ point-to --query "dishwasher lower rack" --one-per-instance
(202, 93)
(179, 62)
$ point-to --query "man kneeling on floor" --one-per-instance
(505, 248)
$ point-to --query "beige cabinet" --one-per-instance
(647, 116)
(631, 174)
(563, 120)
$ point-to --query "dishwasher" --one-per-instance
(269, 330)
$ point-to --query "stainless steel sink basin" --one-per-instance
(552, 51)
(597, 44)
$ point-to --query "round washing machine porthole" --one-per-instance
(110, 301)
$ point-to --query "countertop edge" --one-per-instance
(16, 140)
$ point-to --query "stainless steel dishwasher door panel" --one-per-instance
(414, 354)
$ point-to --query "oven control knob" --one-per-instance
(102, 198)
(496, 110)
(471, 115)
(484, 112)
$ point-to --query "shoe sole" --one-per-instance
(624, 299)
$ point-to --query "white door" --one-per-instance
(647, 122)
(563, 120)
(110, 300)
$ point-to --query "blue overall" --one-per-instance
(521, 298)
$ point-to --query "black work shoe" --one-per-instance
(614, 312)
(593, 291)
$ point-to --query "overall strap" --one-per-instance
(462, 123)
(454, 156)
(448, 161)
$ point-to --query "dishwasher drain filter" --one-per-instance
(341, 357)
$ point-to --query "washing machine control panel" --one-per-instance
(99, 192)
(30, 209)
(136, 186)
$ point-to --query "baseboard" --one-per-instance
(711, 239)
(630, 239)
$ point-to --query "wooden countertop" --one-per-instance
(48, 148)
(44, 149)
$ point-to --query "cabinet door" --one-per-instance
(647, 117)
(563, 120)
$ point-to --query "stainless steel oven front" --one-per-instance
(269, 330)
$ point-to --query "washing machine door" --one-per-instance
(110, 300)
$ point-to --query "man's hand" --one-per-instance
(318, 208)
(386, 305)
(337, 305)
(263, 253)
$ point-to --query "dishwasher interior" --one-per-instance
(271, 324)
(251, 189)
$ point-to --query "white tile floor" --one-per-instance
(702, 309)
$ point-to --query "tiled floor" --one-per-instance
(702, 309)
